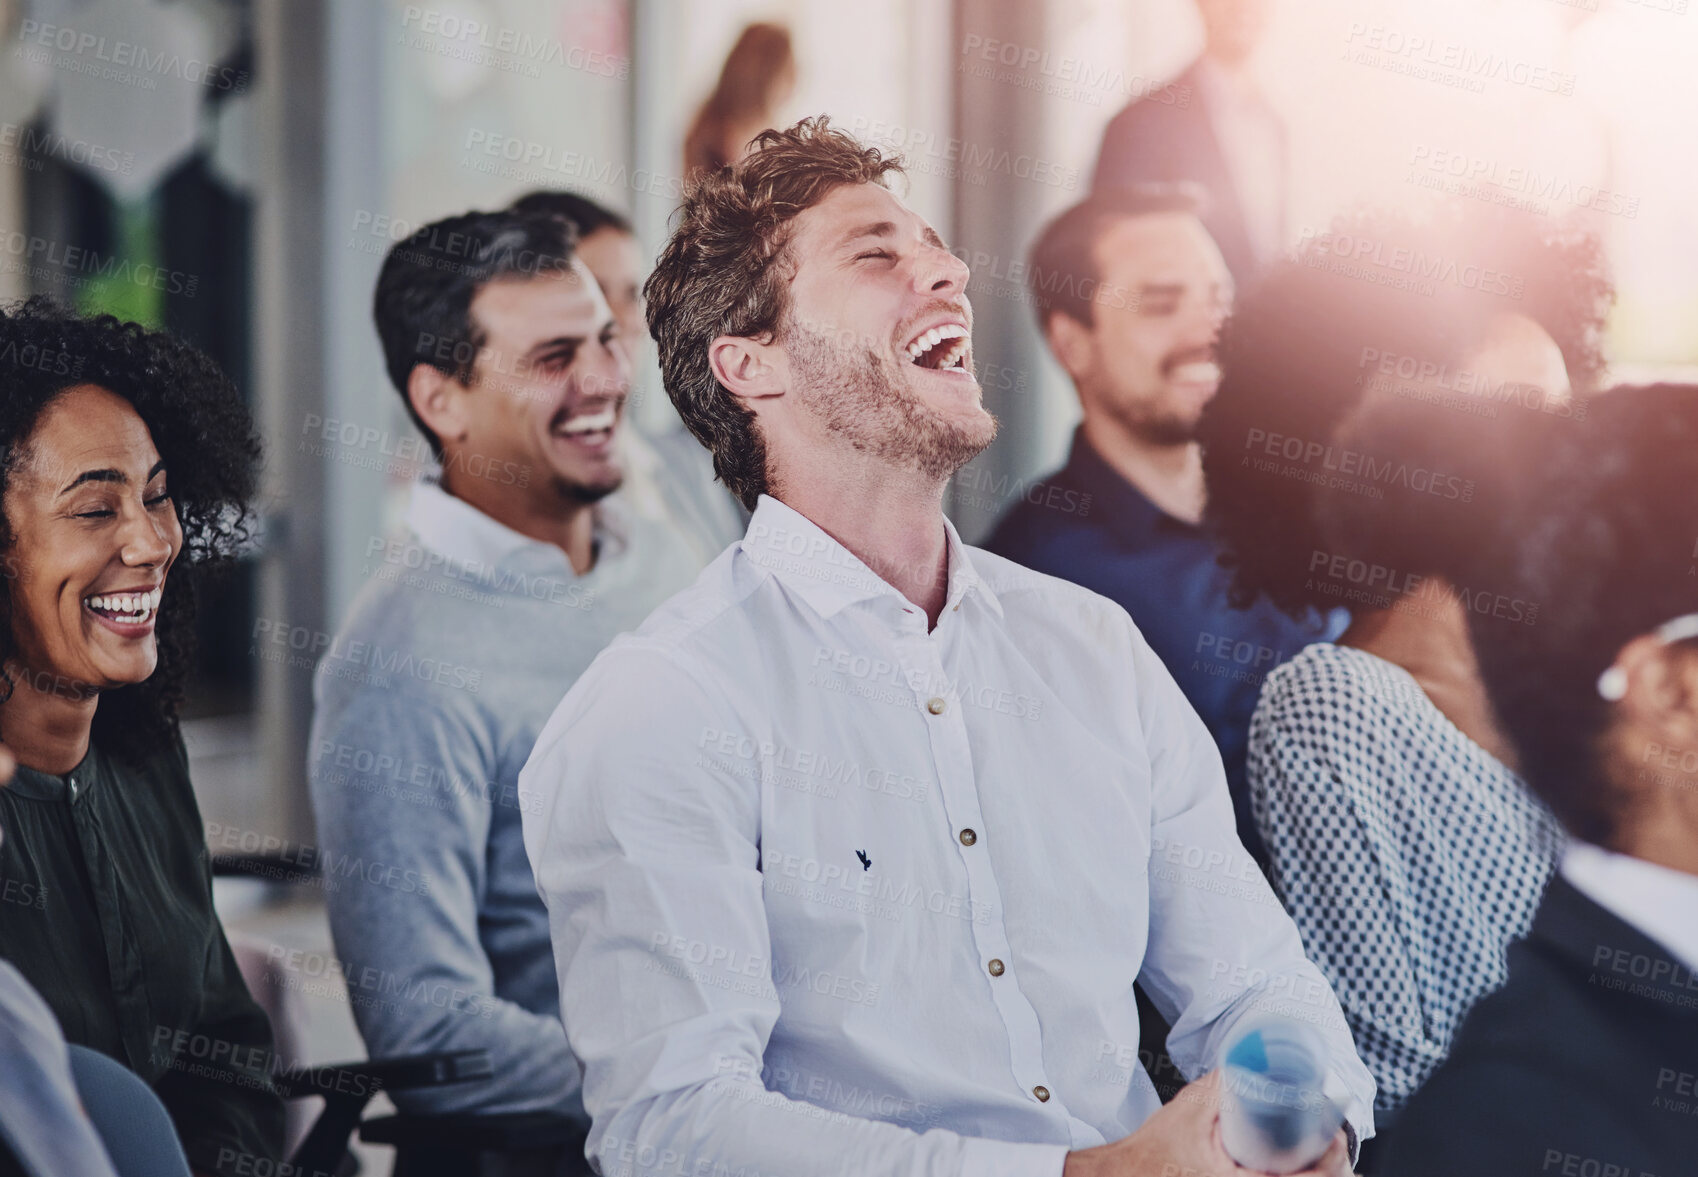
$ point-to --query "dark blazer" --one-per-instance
(1585, 1059)
(1167, 136)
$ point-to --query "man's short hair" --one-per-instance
(1061, 271)
(589, 216)
(423, 303)
(727, 271)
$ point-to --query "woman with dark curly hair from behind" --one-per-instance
(1378, 388)
(126, 467)
(1584, 1061)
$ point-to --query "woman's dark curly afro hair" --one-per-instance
(204, 436)
(1306, 342)
(1602, 536)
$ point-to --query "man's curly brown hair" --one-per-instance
(727, 271)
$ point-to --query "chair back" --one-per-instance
(127, 1116)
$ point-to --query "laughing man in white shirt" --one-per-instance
(853, 851)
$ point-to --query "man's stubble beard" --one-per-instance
(583, 493)
(1156, 424)
(856, 396)
(1163, 429)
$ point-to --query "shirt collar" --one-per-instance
(467, 536)
(1117, 503)
(802, 556)
(1659, 901)
(47, 786)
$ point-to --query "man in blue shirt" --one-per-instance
(1130, 291)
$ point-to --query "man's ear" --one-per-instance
(748, 368)
(1072, 344)
(439, 401)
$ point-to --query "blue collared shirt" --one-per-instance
(1092, 527)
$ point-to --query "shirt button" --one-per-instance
(968, 837)
(995, 967)
(1041, 1092)
(936, 705)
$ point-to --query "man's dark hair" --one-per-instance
(423, 303)
(1302, 349)
(1604, 538)
(586, 214)
(1061, 271)
(211, 453)
(727, 271)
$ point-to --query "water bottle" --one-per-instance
(1274, 1115)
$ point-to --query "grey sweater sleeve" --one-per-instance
(41, 1114)
(399, 787)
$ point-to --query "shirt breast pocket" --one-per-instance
(851, 884)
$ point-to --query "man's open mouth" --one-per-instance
(128, 608)
(1195, 372)
(941, 349)
(590, 428)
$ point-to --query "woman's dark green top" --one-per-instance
(106, 908)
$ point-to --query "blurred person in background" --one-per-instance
(518, 563)
(129, 463)
(1363, 436)
(756, 82)
(1213, 127)
(941, 740)
(607, 245)
(1585, 1059)
(1131, 292)
(669, 474)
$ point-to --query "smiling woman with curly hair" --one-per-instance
(126, 466)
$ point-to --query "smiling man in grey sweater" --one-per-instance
(517, 565)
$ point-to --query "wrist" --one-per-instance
(1081, 1162)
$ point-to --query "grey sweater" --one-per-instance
(42, 1121)
(427, 703)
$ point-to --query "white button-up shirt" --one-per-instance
(833, 894)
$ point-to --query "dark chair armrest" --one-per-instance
(392, 1074)
(272, 868)
(347, 1087)
(516, 1132)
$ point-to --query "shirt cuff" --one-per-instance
(1358, 1116)
(1002, 1158)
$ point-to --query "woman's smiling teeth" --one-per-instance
(131, 608)
(943, 348)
